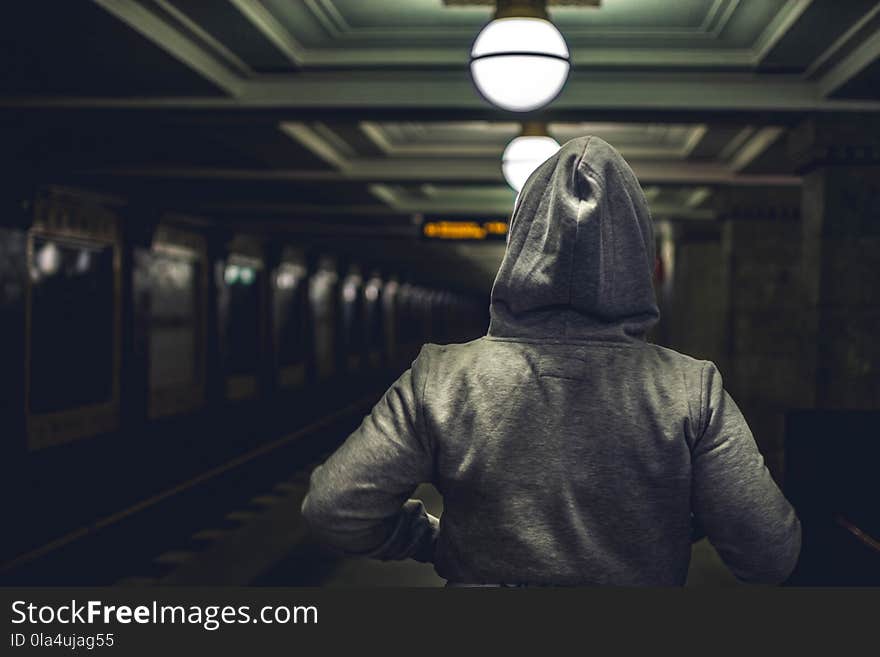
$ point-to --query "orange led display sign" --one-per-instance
(464, 230)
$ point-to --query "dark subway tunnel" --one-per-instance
(227, 228)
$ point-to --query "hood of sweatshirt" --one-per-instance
(580, 251)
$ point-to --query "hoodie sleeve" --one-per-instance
(358, 501)
(745, 515)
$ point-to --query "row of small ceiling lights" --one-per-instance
(520, 62)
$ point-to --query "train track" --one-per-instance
(140, 543)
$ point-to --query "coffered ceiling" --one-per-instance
(323, 115)
(391, 33)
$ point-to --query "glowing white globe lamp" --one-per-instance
(525, 154)
(520, 61)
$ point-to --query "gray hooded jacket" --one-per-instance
(568, 450)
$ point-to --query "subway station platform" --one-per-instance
(226, 228)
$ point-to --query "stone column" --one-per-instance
(217, 239)
(137, 228)
(763, 341)
(839, 158)
(693, 297)
(273, 250)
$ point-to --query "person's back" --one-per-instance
(568, 450)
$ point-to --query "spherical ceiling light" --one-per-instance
(525, 154)
(520, 61)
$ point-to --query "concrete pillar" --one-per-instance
(216, 239)
(137, 229)
(840, 161)
(693, 296)
(273, 250)
(763, 363)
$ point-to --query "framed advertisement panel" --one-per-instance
(178, 279)
(73, 322)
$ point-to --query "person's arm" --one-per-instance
(358, 500)
(744, 514)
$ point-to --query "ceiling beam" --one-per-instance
(584, 91)
(496, 202)
(448, 170)
(451, 93)
(297, 209)
(289, 224)
(409, 207)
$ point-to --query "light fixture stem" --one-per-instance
(521, 9)
(534, 129)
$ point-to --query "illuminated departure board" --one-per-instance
(446, 229)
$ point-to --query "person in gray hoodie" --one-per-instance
(568, 450)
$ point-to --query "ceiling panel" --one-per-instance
(262, 143)
(865, 85)
(819, 27)
(77, 48)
